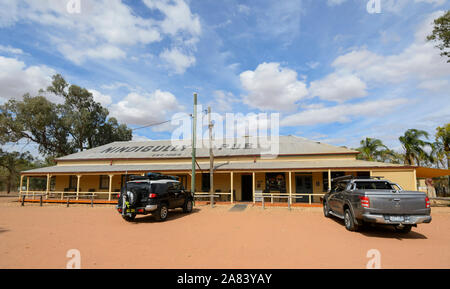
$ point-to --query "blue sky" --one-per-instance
(333, 71)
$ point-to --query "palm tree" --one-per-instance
(391, 156)
(438, 155)
(415, 147)
(371, 149)
(442, 145)
(443, 142)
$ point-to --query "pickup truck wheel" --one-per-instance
(161, 213)
(187, 206)
(349, 221)
(405, 229)
(129, 218)
(326, 210)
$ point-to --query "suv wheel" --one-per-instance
(326, 210)
(349, 221)
(187, 206)
(129, 218)
(161, 213)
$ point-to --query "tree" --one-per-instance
(12, 163)
(441, 34)
(60, 129)
(442, 143)
(414, 146)
(35, 119)
(371, 149)
(391, 156)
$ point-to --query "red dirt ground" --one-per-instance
(39, 237)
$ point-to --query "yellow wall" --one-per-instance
(404, 178)
(222, 181)
(422, 186)
(87, 182)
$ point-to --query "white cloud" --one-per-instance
(418, 62)
(436, 2)
(103, 99)
(397, 6)
(435, 85)
(338, 88)
(271, 87)
(281, 19)
(223, 101)
(335, 2)
(313, 64)
(8, 12)
(243, 9)
(177, 60)
(16, 78)
(342, 113)
(137, 137)
(105, 28)
(178, 18)
(392, 5)
(143, 109)
(11, 50)
(78, 56)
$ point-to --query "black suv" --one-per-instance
(153, 194)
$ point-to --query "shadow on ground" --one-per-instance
(3, 230)
(380, 231)
(173, 215)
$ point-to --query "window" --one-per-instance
(52, 183)
(341, 186)
(363, 174)
(333, 175)
(73, 183)
(205, 183)
(276, 182)
(373, 186)
(104, 182)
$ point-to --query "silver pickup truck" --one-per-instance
(373, 200)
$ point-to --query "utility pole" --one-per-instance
(194, 138)
(211, 159)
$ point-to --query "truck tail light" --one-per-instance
(365, 202)
(427, 202)
(152, 196)
(120, 210)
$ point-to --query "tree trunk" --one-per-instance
(8, 184)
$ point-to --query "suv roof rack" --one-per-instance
(350, 177)
(153, 177)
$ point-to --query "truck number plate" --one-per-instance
(131, 210)
(396, 218)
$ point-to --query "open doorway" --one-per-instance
(247, 188)
(303, 185)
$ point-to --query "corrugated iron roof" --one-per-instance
(161, 149)
(220, 166)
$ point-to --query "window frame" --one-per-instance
(73, 179)
(102, 178)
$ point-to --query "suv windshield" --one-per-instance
(373, 186)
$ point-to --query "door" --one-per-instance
(173, 195)
(180, 195)
(303, 185)
(247, 188)
(336, 199)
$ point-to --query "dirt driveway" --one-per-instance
(39, 237)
